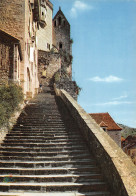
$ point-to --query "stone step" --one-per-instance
(27, 129)
(47, 171)
(43, 154)
(48, 149)
(51, 187)
(92, 193)
(52, 178)
(77, 141)
(40, 111)
(39, 125)
(15, 134)
(40, 117)
(54, 137)
(57, 158)
(45, 138)
(43, 114)
(41, 121)
(44, 131)
(47, 164)
(44, 145)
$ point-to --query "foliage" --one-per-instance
(57, 77)
(71, 41)
(10, 97)
(78, 89)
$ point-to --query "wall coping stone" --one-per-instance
(122, 179)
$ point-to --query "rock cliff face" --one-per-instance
(126, 131)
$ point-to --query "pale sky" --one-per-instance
(104, 55)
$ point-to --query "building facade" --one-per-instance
(17, 19)
(44, 33)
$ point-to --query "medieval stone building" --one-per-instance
(20, 19)
(44, 42)
(56, 56)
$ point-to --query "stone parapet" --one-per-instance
(117, 167)
(12, 121)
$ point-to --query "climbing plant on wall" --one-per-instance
(10, 97)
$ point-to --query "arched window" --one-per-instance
(55, 24)
(59, 21)
(60, 45)
(64, 23)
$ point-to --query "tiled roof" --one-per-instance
(105, 118)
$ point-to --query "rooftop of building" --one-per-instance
(105, 120)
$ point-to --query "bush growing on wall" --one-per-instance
(10, 97)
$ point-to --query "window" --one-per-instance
(60, 45)
(48, 46)
(55, 23)
(64, 22)
(104, 129)
(59, 21)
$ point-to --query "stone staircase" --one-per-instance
(45, 154)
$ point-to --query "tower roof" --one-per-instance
(60, 13)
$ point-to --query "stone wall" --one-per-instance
(117, 167)
(6, 59)
(116, 136)
(12, 21)
(53, 63)
(69, 86)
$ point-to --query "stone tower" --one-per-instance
(62, 40)
(61, 34)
